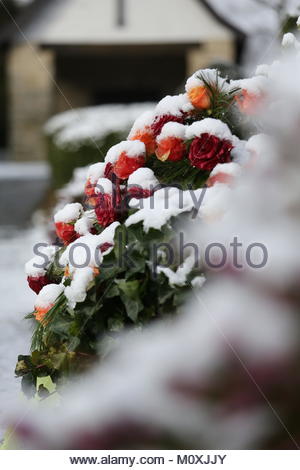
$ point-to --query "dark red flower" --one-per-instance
(139, 193)
(37, 283)
(160, 121)
(105, 246)
(105, 210)
(108, 170)
(208, 150)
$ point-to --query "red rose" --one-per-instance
(37, 283)
(139, 193)
(104, 209)
(208, 150)
(160, 121)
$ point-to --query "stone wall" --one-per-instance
(30, 99)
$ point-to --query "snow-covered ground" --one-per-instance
(16, 300)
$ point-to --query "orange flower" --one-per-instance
(147, 137)
(171, 148)
(127, 165)
(66, 232)
(249, 103)
(40, 313)
(199, 97)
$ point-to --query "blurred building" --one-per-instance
(72, 53)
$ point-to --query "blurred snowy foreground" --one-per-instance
(16, 301)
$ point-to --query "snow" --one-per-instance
(74, 128)
(289, 40)
(104, 186)
(69, 213)
(38, 265)
(132, 148)
(298, 22)
(262, 69)
(210, 75)
(216, 202)
(198, 282)
(174, 105)
(77, 290)
(209, 126)
(85, 223)
(48, 295)
(143, 178)
(259, 145)
(178, 278)
(165, 203)
(232, 169)
(172, 129)
(255, 85)
(144, 121)
(17, 300)
(95, 172)
(85, 251)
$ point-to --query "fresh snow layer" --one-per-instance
(96, 171)
(210, 75)
(172, 129)
(85, 251)
(85, 223)
(74, 128)
(143, 178)
(209, 126)
(48, 295)
(175, 105)
(38, 265)
(255, 85)
(232, 169)
(165, 203)
(132, 148)
(144, 121)
(77, 290)
(104, 186)
(69, 213)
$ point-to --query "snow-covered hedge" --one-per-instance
(82, 136)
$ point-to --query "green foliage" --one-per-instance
(126, 293)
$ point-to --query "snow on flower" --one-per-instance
(34, 267)
(224, 173)
(77, 290)
(174, 105)
(46, 300)
(85, 223)
(95, 172)
(209, 126)
(132, 149)
(69, 213)
(86, 251)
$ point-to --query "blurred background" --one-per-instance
(74, 75)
